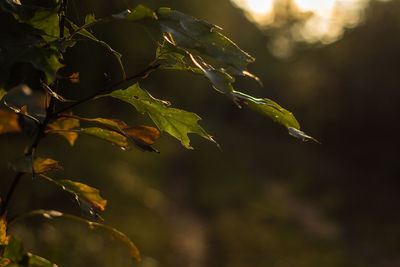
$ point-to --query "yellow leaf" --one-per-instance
(63, 124)
(8, 122)
(41, 165)
(3, 231)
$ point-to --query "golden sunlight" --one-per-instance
(321, 20)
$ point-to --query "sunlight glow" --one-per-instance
(321, 21)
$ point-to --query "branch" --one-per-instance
(10, 193)
(142, 74)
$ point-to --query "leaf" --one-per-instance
(8, 122)
(107, 135)
(81, 192)
(35, 260)
(278, 114)
(40, 165)
(90, 19)
(44, 58)
(203, 38)
(4, 239)
(74, 77)
(113, 233)
(140, 12)
(4, 262)
(14, 254)
(141, 136)
(47, 21)
(61, 127)
(2, 93)
(14, 250)
(83, 32)
(146, 134)
(176, 122)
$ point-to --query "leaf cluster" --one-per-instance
(38, 36)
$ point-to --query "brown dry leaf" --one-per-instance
(146, 134)
(41, 165)
(3, 231)
(64, 124)
(8, 122)
(74, 77)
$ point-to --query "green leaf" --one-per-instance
(141, 136)
(14, 250)
(278, 114)
(37, 261)
(202, 38)
(83, 32)
(2, 93)
(175, 58)
(82, 192)
(46, 21)
(89, 19)
(176, 122)
(140, 12)
(44, 58)
(112, 232)
(107, 135)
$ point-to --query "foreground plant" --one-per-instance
(43, 35)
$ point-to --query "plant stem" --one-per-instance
(10, 193)
(110, 88)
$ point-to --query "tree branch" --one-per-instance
(142, 74)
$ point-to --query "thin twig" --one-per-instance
(10, 192)
(110, 88)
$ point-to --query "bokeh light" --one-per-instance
(321, 21)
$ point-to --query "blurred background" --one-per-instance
(266, 199)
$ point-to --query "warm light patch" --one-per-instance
(322, 20)
(257, 7)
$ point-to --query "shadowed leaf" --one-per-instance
(140, 12)
(2, 93)
(203, 38)
(112, 232)
(40, 165)
(176, 122)
(14, 250)
(61, 127)
(8, 122)
(16, 256)
(83, 32)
